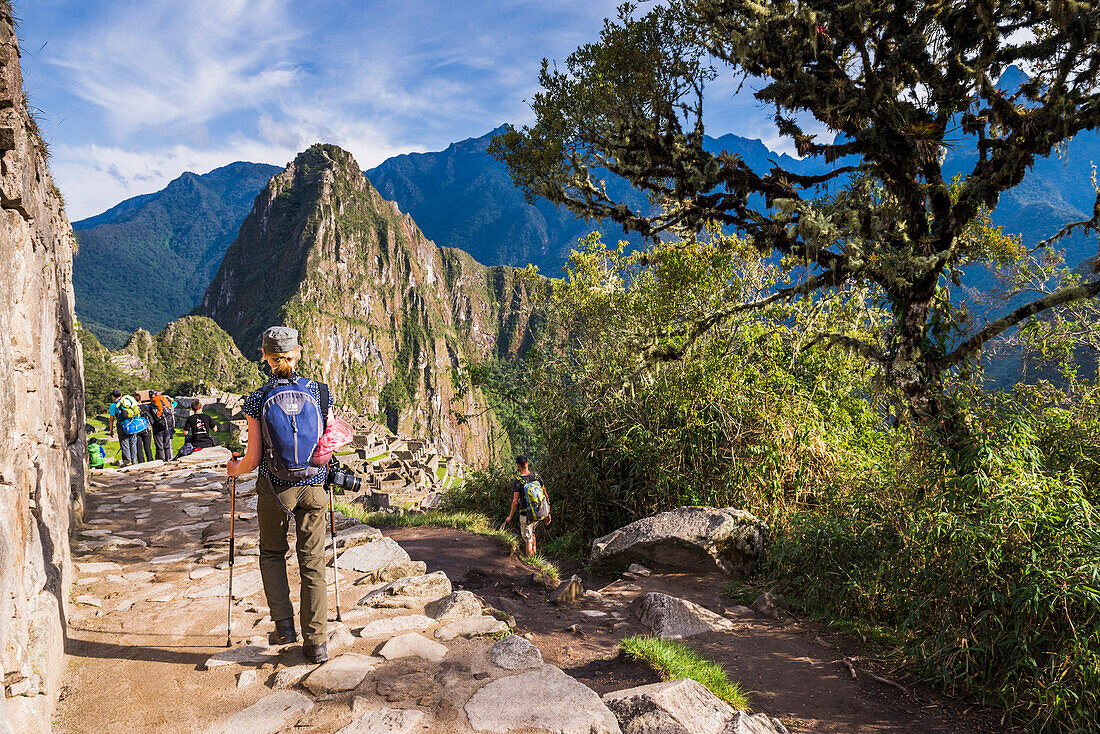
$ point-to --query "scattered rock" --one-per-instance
(246, 678)
(594, 613)
(396, 625)
(87, 600)
(200, 573)
(456, 605)
(689, 538)
(94, 568)
(515, 653)
(423, 588)
(341, 673)
(268, 715)
(770, 605)
(672, 618)
(471, 627)
(244, 584)
(393, 572)
(565, 706)
(568, 591)
(744, 723)
(373, 555)
(638, 569)
(243, 654)
(739, 610)
(357, 535)
(339, 638)
(681, 706)
(387, 721)
(412, 645)
(290, 677)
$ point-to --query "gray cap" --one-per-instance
(280, 339)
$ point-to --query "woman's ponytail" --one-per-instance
(283, 365)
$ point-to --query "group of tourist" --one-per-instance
(145, 423)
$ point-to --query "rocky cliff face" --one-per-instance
(42, 454)
(386, 317)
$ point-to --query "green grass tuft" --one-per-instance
(543, 566)
(470, 522)
(675, 660)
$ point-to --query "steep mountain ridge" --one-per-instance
(148, 260)
(386, 317)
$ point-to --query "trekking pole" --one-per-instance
(335, 558)
(232, 545)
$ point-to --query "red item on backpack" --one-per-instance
(337, 435)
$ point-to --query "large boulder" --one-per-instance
(409, 591)
(515, 653)
(272, 713)
(563, 705)
(687, 538)
(374, 555)
(672, 618)
(681, 706)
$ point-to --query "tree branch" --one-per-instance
(861, 348)
(1060, 297)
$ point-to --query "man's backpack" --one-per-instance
(534, 495)
(137, 424)
(292, 423)
(128, 408)
(164, 415)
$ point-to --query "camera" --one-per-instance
(342, 479)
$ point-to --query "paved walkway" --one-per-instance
(146, 648)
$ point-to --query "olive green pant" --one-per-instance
(308, 504)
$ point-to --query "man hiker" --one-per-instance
(164, 424)
(145, 436)
(199, 427)
(119, 414)
(286, 419)
(526, 487)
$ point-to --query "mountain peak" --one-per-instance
(384, 315)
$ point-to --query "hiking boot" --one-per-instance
(284, 633)
(316, 653)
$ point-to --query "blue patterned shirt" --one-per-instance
(253, 407)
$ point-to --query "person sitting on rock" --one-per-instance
(199, 427)
(527, 523)
(288, 486)
(97, 456)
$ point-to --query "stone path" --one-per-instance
(147, 632)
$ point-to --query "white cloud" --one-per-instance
(94, 178)
(163, 62)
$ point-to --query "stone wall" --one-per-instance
(42, 449)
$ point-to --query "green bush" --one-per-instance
(990, 579)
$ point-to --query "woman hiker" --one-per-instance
(270, 411)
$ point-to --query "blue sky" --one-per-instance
(131, 93)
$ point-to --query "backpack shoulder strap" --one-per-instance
(325, 400)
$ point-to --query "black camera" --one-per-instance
(342, 479)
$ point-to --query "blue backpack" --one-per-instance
(292, 423)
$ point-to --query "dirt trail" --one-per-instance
(783, 665)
